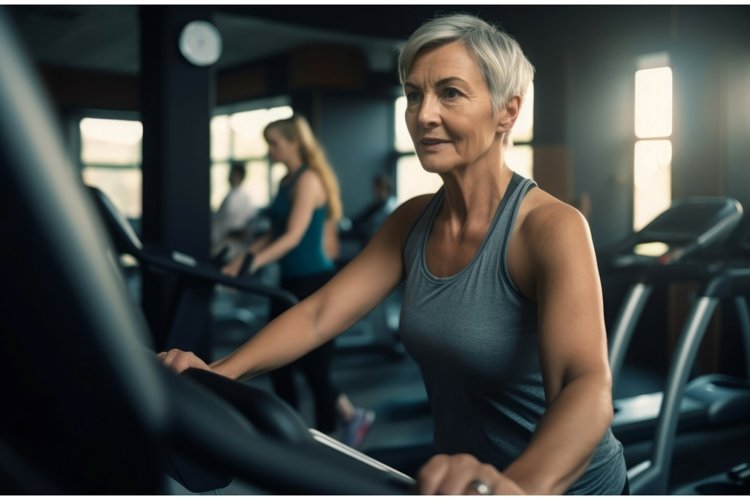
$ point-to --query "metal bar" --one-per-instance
(654, 479)
(740, 303)
(625, 324)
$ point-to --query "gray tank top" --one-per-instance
(474, 336)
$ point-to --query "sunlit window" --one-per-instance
(412, 180)
(523, 130)
(121, 185)
(520, 157)
(247, 130)
(652, 158)
(239, 136)
(221, 139)
(111, 142)
(653, 178)
(653, 102)
(111, 159)
(404, 143)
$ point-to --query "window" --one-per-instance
(412, 180)
(239, 136)
(520, 157)
(652, 158)
(111, 159)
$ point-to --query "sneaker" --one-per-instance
(356, 429)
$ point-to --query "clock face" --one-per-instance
(200, 43)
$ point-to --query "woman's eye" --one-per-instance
(451, 93)
(412, 97)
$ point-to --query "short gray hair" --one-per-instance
(501, 61)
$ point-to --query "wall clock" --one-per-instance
(200, 43)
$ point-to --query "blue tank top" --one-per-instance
(308, 257)
(474, 336)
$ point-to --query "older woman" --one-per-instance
(502, 306)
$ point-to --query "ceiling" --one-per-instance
(106, 37)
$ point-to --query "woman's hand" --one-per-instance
(463, 475)
(234, 267)
(180, 361)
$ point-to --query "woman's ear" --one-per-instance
(509, 114)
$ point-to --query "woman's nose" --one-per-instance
(429, 112)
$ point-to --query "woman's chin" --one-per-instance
(429, 164)
(435, 168)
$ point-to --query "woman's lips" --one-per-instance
(430, 144)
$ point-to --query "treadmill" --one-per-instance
(195, 279)
(710, 412)
(87, 407)
(725, 399)
(672, 247)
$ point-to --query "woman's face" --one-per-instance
(449, 110)
(280, 148)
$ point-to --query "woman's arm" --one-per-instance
(260, 243)
(331, 242)
(234, 266)
(564, 279)
(347, 297)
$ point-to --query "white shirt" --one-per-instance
(233, 214)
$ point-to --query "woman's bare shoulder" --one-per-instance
(549, 223)
(310, 185)
(309, 178)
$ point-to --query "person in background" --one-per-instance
(502, 305)
(230, 224)
(306, 207)
(369, 220)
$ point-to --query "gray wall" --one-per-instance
(357, 133)
(738, 125)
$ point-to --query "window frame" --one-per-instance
(644, 209)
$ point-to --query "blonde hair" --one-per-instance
(298, 129)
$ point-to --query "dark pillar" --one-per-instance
(176, 102)
(698, 167)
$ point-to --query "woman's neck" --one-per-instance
(474, 192)
(294, 165)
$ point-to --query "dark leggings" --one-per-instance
(315, 366)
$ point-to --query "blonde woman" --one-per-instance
(304, 215)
